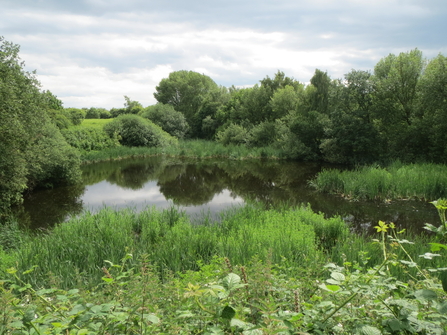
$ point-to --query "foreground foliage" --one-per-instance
(267, 291)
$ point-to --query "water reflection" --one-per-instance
(213, 185)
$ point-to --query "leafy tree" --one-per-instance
(75, 115)
(188, 92)
(396, 111)
(320, 97)
(433, 90)
(165, 116)
(32, 150)
(132, 106)
(92, 113)
(134, 131)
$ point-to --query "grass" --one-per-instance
(156, 272)
(414, 181)
(187, 148)
(94, 123)
(75, 251)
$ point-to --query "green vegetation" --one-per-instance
(397, 181)
(136, 131)
(248, 271)
(33, 153)
(185, 148)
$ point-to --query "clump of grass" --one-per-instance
(397, 181)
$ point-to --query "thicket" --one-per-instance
(33, 153)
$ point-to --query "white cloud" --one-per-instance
(92, 53)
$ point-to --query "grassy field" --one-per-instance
(94, 123)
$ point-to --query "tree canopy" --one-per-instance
(32, 150)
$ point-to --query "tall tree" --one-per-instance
(188, 92)
(32, 150)
(396, 111)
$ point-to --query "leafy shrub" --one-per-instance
(233, 134)
(92, 113)
(135, 131)
(165, 116)
(89, 139)
(52, 161)
(75, 115)
(59, 118)
(263, 134)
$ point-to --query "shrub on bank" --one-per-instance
(136, 131)
(88, 139)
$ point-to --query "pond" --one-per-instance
(210, 186)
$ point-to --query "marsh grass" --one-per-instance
(185, 148)
(75, 251)
(397, 181)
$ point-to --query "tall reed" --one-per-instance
(397, 181)
(185, 148)
(75, 251)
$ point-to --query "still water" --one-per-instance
(210, 186)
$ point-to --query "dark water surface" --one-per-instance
(198, 186)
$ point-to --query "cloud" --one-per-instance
(92, 52)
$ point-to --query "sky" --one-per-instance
(91, 53)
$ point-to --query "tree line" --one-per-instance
(396, 111)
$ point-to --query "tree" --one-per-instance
(132, 106)
(396, 104)
(433, 91)
(188, 92)
(320, 98)
(32, 150)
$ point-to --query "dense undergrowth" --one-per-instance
(247, 271)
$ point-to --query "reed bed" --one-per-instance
(75, 251)
(185, 148)
(397, 181)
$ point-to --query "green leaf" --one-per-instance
(369, 330)
(151, 318)
(338, 276)
(238, 323)
(230, 281)
(425, 295)
(443, 308)
(437, 246)
(228, 313)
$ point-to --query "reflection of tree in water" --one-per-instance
(45, 208)
(194, 186)
(134, 176)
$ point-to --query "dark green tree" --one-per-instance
(32, 150)
(190, 93)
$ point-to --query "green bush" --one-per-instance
(135, 131)
(233, 134)
(165, 116)
(88, 139)
(75, 115)
(262, 135)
